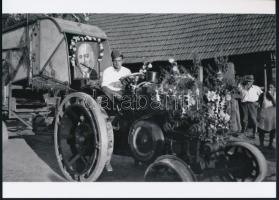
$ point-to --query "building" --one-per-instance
(249, 40)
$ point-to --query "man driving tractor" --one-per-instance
(111, 84)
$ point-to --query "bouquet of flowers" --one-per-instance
(179, 95)
(200, 110)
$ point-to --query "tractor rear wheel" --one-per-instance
(83, 138)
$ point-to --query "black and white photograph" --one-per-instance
(139, 97)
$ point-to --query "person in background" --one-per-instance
(111, 76)
(267, 115)
(249, 102)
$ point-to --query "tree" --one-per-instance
(12, 19)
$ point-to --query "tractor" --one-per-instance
(52, 72)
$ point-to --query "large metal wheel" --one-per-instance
(83, 138)
(146, 141)
(243, 162)
(169, 168)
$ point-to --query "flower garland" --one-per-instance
(73, 47)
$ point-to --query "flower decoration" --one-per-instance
(215, 106)
(145, 67)
(171, 60)
(101, 54)
(211, 96)
(198, 111)
(179, 95)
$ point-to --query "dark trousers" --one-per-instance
(249, 109)
(271, 136)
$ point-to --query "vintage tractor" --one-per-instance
(46, 65)
(52, 70)
(173, 129)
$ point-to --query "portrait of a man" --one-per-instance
(85, 60)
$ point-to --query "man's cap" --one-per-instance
(116, 54)
(249, 78)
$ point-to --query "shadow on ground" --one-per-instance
(124, 167)
(43, 146)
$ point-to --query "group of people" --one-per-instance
(255, 104)
(260, 107)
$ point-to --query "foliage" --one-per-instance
(179, 94)
(12, 19)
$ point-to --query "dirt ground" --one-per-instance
(31, 158)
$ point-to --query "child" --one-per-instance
(267, 115)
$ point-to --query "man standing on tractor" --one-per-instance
(111, 84)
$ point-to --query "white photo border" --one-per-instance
(135, 189)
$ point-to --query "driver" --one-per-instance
(111, 84)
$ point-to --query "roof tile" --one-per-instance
(159, 36)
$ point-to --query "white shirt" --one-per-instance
(250, 95)
(111, 77)
(268, 103)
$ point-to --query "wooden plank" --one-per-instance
(29, 126)
(22, 110)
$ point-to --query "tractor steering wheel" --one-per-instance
(130, 78)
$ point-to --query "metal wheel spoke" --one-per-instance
(248, 153)
(254, 164)
(84, 160)
(254, 173)
(74, 159)
(231, 151)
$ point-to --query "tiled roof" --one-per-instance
(154, 37)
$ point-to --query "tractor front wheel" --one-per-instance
(241, 162)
